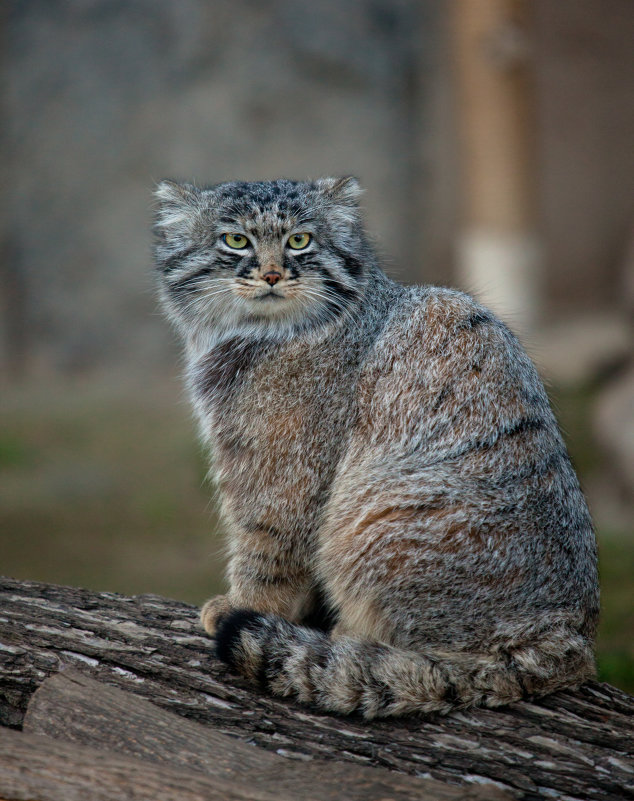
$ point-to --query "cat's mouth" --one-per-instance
(270, 296)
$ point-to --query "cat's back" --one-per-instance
(456, 445)
(441, 357)
(448, 398)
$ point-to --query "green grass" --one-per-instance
(108, 494)
(615, 643)
(13, 452)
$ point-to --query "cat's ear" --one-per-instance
(178, 207)
(343, 191)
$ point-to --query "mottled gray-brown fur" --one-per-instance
(387, 453)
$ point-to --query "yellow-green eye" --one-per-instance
(299, 241)
(237, 241)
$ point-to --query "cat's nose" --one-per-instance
(272, 277)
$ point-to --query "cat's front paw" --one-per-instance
(212, 611)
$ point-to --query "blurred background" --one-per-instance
(494, 139)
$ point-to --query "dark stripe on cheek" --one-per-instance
(338, 288)
(191, 282)
(352, 264)
(339, 296)
(175, 259)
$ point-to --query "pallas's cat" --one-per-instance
(406, 531)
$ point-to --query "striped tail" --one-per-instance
(346, 675)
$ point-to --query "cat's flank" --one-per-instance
(406, 531)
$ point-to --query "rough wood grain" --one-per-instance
(571, 745)
(74, 708)
(34, 768)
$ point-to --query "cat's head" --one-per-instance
(275, 256)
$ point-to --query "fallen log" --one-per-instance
(575, 745)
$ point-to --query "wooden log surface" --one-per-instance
(44, 769)
(571, 745)
(36, 768)
(75, 708)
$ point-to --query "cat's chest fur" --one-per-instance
(276, 416)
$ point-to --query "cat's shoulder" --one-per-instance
(440, 319)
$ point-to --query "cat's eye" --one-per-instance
(235, 241)
(299, 241)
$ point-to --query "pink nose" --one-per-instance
(272, 277)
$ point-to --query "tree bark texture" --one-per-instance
(571, 745)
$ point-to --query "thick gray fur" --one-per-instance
(388, 449)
